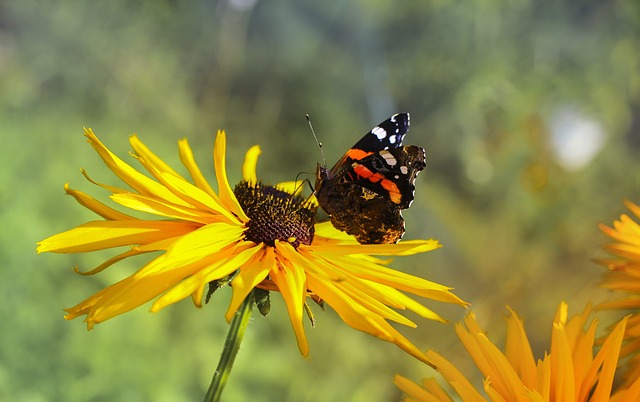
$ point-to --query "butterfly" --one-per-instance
(366, 190)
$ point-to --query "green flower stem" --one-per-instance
(231, 346)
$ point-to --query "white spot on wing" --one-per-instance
(404, 170)
(389, 158)
(379, 132)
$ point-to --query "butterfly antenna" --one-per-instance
(324, 162)
(303, 182)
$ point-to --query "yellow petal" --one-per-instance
(534, 396)
(431, 385)
(291, 187)
(364, 269)
(129, 175)
(562, 385)
(543, 377)
(408, 247)
(621, 304)
(113, 189)
(128, 294)
(291, 281)
(504, 378)
(490, 360)
(561, 313)
(249, 165)
(630, 228)
(186, 156)
(156, 206)
(518, 351)
(416, 392)
(628, 251)
(218, 266)
(150, 159)
(370, 295)
(583, 361)
(574, 328)
(209, 243)
(198, 198)
(314, 263)
(409, 303)
(194, 197)
(326, 230)
(250, 275)
(98, 235)
(455, 378)
(96, 206)
(492, 393)
(630, 394)
(111, 261)
(633, 207)
(225, 192)
(186, 257)
(608, 355)
(366, 297)
(160, 245)
(609, 232)
(626, 230)
(357, 316)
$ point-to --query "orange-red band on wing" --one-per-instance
(357, 154)
(390, 186)
(394, 192)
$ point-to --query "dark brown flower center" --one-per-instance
(275, 215)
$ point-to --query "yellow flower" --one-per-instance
(624, 276)
(253, 236)
(568, 372)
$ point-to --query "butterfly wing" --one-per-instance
(368, 216)
(386, 135)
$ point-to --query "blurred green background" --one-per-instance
(529, 111)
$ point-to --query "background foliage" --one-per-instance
(529, 111)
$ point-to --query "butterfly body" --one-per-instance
(366, 190)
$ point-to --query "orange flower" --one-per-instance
(568, 372)
(623, 276)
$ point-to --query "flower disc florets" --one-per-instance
(275, 215)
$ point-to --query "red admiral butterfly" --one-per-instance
(368, 187)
